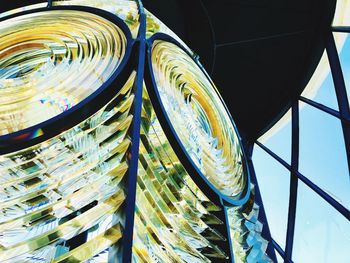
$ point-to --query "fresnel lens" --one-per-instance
(115, 144)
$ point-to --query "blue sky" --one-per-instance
(321, 233)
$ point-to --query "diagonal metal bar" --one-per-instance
(262, 215)
(278, 248)
(339, 207)
(324, 109)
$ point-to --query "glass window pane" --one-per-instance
(321, 234)
(273, 180)
(278, 138)
(321, 87)
(343, 45)
(322, 156)
(342, 13)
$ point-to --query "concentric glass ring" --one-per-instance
(100, 154)
(52, 60)
(199, 118)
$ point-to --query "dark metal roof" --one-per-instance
(260, 53)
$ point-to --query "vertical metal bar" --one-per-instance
(262, 215)
(49, 3)
(133, 164)
(293, 192)
(340, 91)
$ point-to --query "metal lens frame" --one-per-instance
(196, 174)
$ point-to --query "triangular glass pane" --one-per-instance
(342, 13)
(321, 232)
(279, 138)
(321, 87)
(273, 180)
(343, 46)
(279, 258)
(322, 156)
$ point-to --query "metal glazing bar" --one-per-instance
(325, 109)
(339, 207)
(262, 215)
(342, 29)
(293, 191)
(278, 248)
(133, 164)
(340, 90)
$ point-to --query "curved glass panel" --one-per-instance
(344, 57)
(342, 13)
(321, 87)
(199, 118)
(51, 61)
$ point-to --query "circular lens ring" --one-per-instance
(195, 172)
(39, 132)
